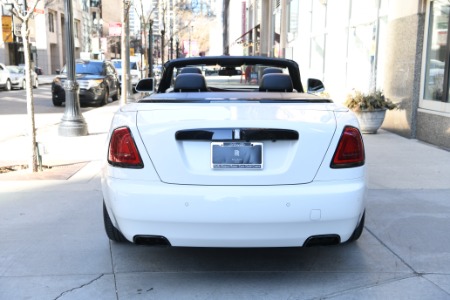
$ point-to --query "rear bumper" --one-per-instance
(234, 216)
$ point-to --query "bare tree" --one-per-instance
(24, 16)
(146, 20)
(193, 18)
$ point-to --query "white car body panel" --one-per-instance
(235, 216)
(268, 208)
(192, 159)
(173, 192)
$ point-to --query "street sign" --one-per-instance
(17, 27)
(115, 29)
(6, 29)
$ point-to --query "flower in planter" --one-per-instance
(370, 109)
(358, 101)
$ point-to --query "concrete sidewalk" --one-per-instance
(56, 150)
(54, 245)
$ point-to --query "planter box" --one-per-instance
(370, 121)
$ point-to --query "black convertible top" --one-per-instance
(230, 61)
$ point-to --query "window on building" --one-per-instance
(51, 22)
(96, 3)
(436, 86)
(293, 18)
(76, 29)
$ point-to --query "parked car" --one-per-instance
(218, 161)
(5, 78)
(18, 80)
(135, 73)
(97, 80)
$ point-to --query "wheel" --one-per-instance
(104, 100)
(56, 102)
(8, 85)
(358, 230)
(36, 83)
(24, 85)
(112, 232)
(116, 96)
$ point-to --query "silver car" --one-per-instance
(5, 78)
(17, 76)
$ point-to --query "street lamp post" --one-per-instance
(72, 122)
(171, 47)
(190, 32)
(163, 32)
(150, 49)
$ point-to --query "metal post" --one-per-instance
(125, 53)
(72, 122)
(150, 50)
(162, 46)
(177, 44)
(171, 47)
(127, 59)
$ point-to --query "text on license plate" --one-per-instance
(236, 155)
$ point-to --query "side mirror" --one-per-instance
(145, 85)
(315, 86)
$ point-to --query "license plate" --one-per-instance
(236, 155)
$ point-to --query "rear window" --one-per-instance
(238, 77)
(92, 68)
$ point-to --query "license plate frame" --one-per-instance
(237, 155)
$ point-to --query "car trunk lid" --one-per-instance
(286, 142)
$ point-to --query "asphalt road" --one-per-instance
(13, 111)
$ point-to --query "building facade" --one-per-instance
(398, 46)
(47, 28)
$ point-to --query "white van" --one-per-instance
(135, 72)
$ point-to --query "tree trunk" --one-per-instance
(32, 160)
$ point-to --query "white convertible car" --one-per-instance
(231, 152)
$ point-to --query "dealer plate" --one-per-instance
(236, 155)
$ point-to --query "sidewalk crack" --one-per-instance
(79, 287)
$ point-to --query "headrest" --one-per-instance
(190, 82)
(191, 70)
(272, 70)
(276, 82)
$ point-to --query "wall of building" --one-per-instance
(366, 45)
(403, 72)
(405, 78)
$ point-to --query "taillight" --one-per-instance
(350, 150)
(122, 150)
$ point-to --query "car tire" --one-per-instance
(105, 98)
(8, 86)
(358, 230)
(112, 232)
(56, 103)
(116, 96)
(36, 84)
